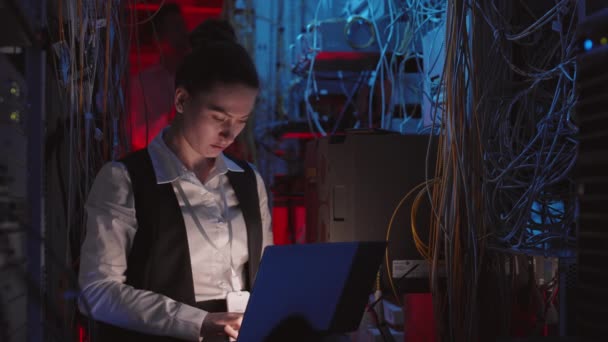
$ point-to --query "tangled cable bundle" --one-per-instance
(506, 147)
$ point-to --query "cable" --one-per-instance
(349, 98)
(86, 97)
(370, 307)
(388, 236)
(422, 247)
(379, 325)
(106, 76)
(312, 116)
(151, 17)
(347, 28)
(506, 146)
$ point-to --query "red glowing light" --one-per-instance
(280, 226)
(81, 334)
(210, 11)
(301, 135)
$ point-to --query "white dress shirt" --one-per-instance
(111, 227)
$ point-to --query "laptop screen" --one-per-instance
(315, 289)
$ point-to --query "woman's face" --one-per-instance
(212, 120)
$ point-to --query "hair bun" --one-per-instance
(212, 31)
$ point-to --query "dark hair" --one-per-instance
(216, 58)
(212, 30)
(162, 14)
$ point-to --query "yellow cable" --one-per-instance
(388, 235)
(422, 248)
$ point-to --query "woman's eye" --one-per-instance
(218, 118)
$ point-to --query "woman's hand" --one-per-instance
(222, 323)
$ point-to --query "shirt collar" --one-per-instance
(168, 167)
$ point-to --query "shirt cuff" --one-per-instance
(187, 322)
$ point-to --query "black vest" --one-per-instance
(159, 260)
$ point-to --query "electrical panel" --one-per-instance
(354, 183)
(13, 177)
(12, 123)
(591, 176)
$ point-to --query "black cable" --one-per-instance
(400, 280)
(348, 101)
(382, 325)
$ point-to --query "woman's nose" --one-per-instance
(228, 130)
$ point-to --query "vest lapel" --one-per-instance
(245, 188)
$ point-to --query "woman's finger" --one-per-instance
(236, 324)
(231, 332)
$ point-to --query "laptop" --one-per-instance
(307, 292)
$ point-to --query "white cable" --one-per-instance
(310, 82)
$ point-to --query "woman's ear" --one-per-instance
(180, 99)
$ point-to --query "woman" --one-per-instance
(176, 227)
